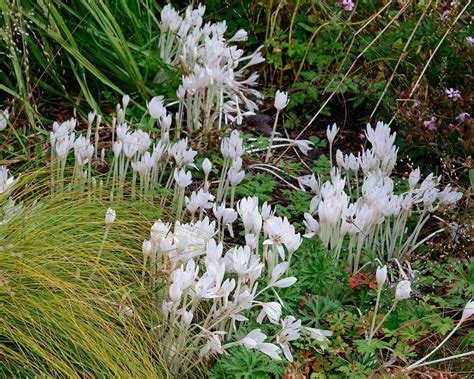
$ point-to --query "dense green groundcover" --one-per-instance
(82, 299)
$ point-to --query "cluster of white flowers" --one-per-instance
(216, 82)
(372, 215)
(228, 284)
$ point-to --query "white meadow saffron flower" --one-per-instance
(5, 180)
(156, 109)
(331, 133)
(183, 178)
(403, 290)
(213, 344)
(468, 311)
(290, 332)
(147, 249)
(240, 35)
(414, 178)
(206, 166)
(272, 310)
(4, 116)
(254, 340)
(381, 276)
(319, 335)
(281, 100)
(125, 101)
(110, 216)
(277, 272)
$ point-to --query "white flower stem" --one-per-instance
(371, 334)
(417, 363)
(385, 317)
(269, 150)
(447, 358)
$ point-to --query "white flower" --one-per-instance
(251, 340)
(213, 344)
(183, 178)
(240, 35)
(156, 108)
(159, 231)
(272, 310)
(414, 178)
(381, 276)
(147, 249)
(331, 133)
(290, 332)
(125, 101)
(319, 335)
(5, 180)
(403, 290)
(277, 272)
(4, 116)
(304, 145)
(251, 218)
(281, 100)
(206, 166)
(109, 217)
(312, 226)
(468, 311)
(254, 340)
(280, 232)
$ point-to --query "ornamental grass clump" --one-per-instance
(360, 203)
(56, 320)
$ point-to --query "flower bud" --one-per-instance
(206, 166)
(468, 311)
(281, 100)
(147, 249)
(381, 276)
(109, 217)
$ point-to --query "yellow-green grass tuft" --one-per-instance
(63, 311)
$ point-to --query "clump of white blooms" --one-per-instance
(360, 202)
(229, 282)
(216, 81)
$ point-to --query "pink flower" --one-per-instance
(470, 40)
(453, 94)
(463, 117)
(348, 5)
(430, 124)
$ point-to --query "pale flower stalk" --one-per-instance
(281, 101)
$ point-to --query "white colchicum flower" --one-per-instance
(254, 340)
(110, 216)
(403, 290)
(6, 180)
(319, 335)
(468, 311)
(156, 109)
(281, 100)
(331, 133)
(272, 310)
(381, 276)
(4, 116)
(290, 332)
(183, 178)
